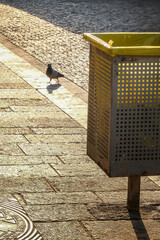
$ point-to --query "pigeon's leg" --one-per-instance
(57, 80)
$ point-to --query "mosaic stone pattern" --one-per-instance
(14, 223)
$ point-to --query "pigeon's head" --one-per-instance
(49, 65)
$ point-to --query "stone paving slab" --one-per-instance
(4, 196)
(63, 230)
(5, 139)
(24, 184)
(13, 86)
(78, 169)
(58, 131)
(7, 102)
(21, 93)
(97, 183)
(156, 179)
(10, 149)
(34, 119)
(54, 149)
(26, 160)
(124, 229)
(105, 211)
(58, 212)
(62, 95)
(55, 138)
(60, 198)
(36, 109)
(15, 131)
(5, 109)
(8, 79)
(73, 106)
(78, 160)
(147, 197)
(41, 170)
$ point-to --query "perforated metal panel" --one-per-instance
(124, 113)
(99, 106)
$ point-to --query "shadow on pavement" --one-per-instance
(52, 87)
(138, 226)
(80, 16)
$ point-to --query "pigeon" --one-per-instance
(51, 73)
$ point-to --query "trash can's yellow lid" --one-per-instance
(126, 43)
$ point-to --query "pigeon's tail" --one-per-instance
(60, 75)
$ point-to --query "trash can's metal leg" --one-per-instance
(133, 193)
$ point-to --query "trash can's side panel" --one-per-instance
(92, 108)
(99, 107)
(135, 143)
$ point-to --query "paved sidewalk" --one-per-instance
(51, 31)
(44, 168)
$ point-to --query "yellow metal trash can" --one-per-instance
(123, 135)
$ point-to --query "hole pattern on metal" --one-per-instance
(138, 110)
(99, 106)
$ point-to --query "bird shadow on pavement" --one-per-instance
(53, 87)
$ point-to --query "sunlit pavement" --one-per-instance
(49, 187)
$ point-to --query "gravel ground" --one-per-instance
(51, 30)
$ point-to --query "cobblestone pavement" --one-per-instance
(51, 30)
